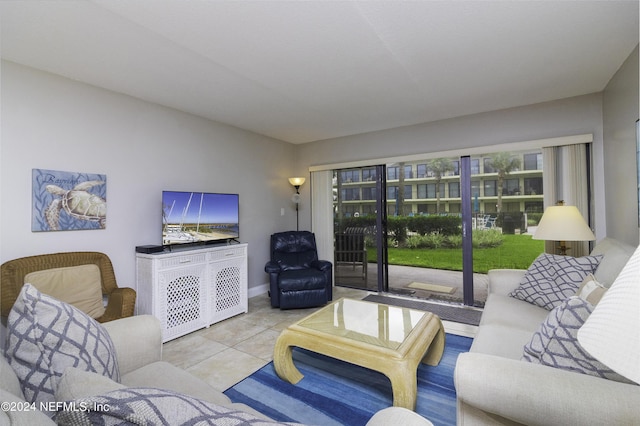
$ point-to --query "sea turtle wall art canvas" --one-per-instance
(65, 201)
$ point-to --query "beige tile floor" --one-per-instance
(227, 352)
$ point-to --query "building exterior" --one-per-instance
(412, 187)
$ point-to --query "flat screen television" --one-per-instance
(199, 217)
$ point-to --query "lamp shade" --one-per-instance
(296, 181)
(563, 223)
(611, 334)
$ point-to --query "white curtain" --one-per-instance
(549, 185)
(322, 212)
(566, 178)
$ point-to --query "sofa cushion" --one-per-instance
(164, 375)
(556, 344)
(591, 290)
(154, 406)
(8, 379)
(45, 336)
(551, 279)
(76, 383)
(616, 254)
(80, 286)
(500, 340)
(504, 310)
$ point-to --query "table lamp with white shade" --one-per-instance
(563, 223)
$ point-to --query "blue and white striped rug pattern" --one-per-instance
(334, 392)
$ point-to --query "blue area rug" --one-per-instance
(334, 392)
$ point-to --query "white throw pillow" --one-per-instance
(591, 290)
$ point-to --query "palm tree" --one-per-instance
(503, 163)
(439, 166)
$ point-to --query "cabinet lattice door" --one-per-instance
(191, 289)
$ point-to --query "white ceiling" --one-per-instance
(302, 71)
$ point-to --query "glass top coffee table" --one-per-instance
(388, 339)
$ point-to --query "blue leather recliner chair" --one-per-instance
(297, 278)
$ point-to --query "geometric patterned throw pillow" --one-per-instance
(149, 406)
(551, 279)
(556, 342)
(45, 336)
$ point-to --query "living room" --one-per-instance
(61, 123)
(143, 148)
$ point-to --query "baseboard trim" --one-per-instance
(258, 290)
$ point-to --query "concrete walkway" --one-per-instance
(401, 276)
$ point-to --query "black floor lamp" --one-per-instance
(297, 183)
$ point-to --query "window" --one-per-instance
(533, 186)
(350, 194)
(408, 172)
(534, 206)
(454, 189)
(532, 161)
(475, 166)
(431, 190)
(422, 191)
(490, 188)
(368, 175)
(475, 188)
(455, 207)
(456, 167)
(393, 173)
(392, 192)
(424, 208)
(488, 167)
(349, 176)
(408, 193)
(369, 193)
(511, 187)
(421, 170)
(510, 207)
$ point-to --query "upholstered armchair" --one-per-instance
(81, 279)
(297, 278)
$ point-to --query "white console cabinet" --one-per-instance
(188, 289)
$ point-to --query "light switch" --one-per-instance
(282, 211)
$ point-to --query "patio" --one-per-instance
(447, 285)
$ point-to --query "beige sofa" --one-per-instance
(494, 387)
(138, 345)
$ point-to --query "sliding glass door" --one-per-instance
(360, 252)
(432, 228)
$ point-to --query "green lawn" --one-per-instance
(517, 251)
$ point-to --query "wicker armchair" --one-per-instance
(121, 301)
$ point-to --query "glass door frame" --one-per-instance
(381, 226)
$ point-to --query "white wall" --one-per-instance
(565, 117)
(620, 111)
(54, 123)
(50, 122)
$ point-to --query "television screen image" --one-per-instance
(199, 217)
